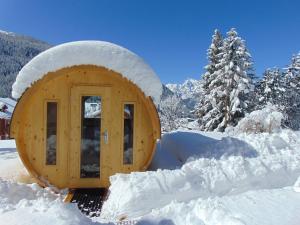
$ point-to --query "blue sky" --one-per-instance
(172, 36)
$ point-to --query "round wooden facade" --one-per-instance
(79, 125)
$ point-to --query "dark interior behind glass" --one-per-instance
(128, 134)
(51, 139)
(90, 136)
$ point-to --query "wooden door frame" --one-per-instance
(75, 135)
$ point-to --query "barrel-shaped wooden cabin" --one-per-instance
(86, 110)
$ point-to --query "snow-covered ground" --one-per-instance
(11, 167)
(196, 178)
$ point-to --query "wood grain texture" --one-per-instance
(65, 86)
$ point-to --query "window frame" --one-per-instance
(57, 131)
(134, 133)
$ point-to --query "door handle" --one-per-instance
(105, 136)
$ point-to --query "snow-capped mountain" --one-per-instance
(7, 32)
(188, 89)
(177, 105)
(15, 51)
(189, 92)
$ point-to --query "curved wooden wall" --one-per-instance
(28, 123)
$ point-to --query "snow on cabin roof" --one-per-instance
(97, 53)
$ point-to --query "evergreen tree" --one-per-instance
(207, 111)
(270, 90)
(292, 95)
(238, 84)
(213, 56)
(228, 87)
(282, 89)
(293, 70)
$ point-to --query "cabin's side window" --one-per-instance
(51, 136)
(128, 138)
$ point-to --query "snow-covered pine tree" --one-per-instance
(293, 70)
(292, 95)
(213, 56)
(270, 89)
(237, 72)
(230, 86)
(209, 115)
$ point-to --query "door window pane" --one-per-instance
(90, 136)
(51, 139)
(128, 134)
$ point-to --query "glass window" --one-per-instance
(51, 142)
(90, 136)
(128, 134)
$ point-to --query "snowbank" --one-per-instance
(97, 53)
(22, 204)
(267, 119)
(261, 207)
(211, 167)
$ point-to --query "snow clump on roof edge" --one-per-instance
(97, 53)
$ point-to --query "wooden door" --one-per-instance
(90, 136)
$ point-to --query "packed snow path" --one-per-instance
(203, 178)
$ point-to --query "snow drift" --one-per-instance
(27, 204)
(207, 167)
(268, 119)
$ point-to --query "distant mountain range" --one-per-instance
(188, 89)
(15, 51)
(188, 94)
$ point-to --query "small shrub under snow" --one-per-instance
(267, 120)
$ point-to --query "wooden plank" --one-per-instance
(69, 196)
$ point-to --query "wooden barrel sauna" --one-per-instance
(79, 121)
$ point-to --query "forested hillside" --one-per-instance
(15, 52)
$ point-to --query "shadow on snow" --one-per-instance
(176, 148)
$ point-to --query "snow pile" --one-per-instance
(97, 53)
(267, 119)
(31, 204)
(212, 167)
(261, 207)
